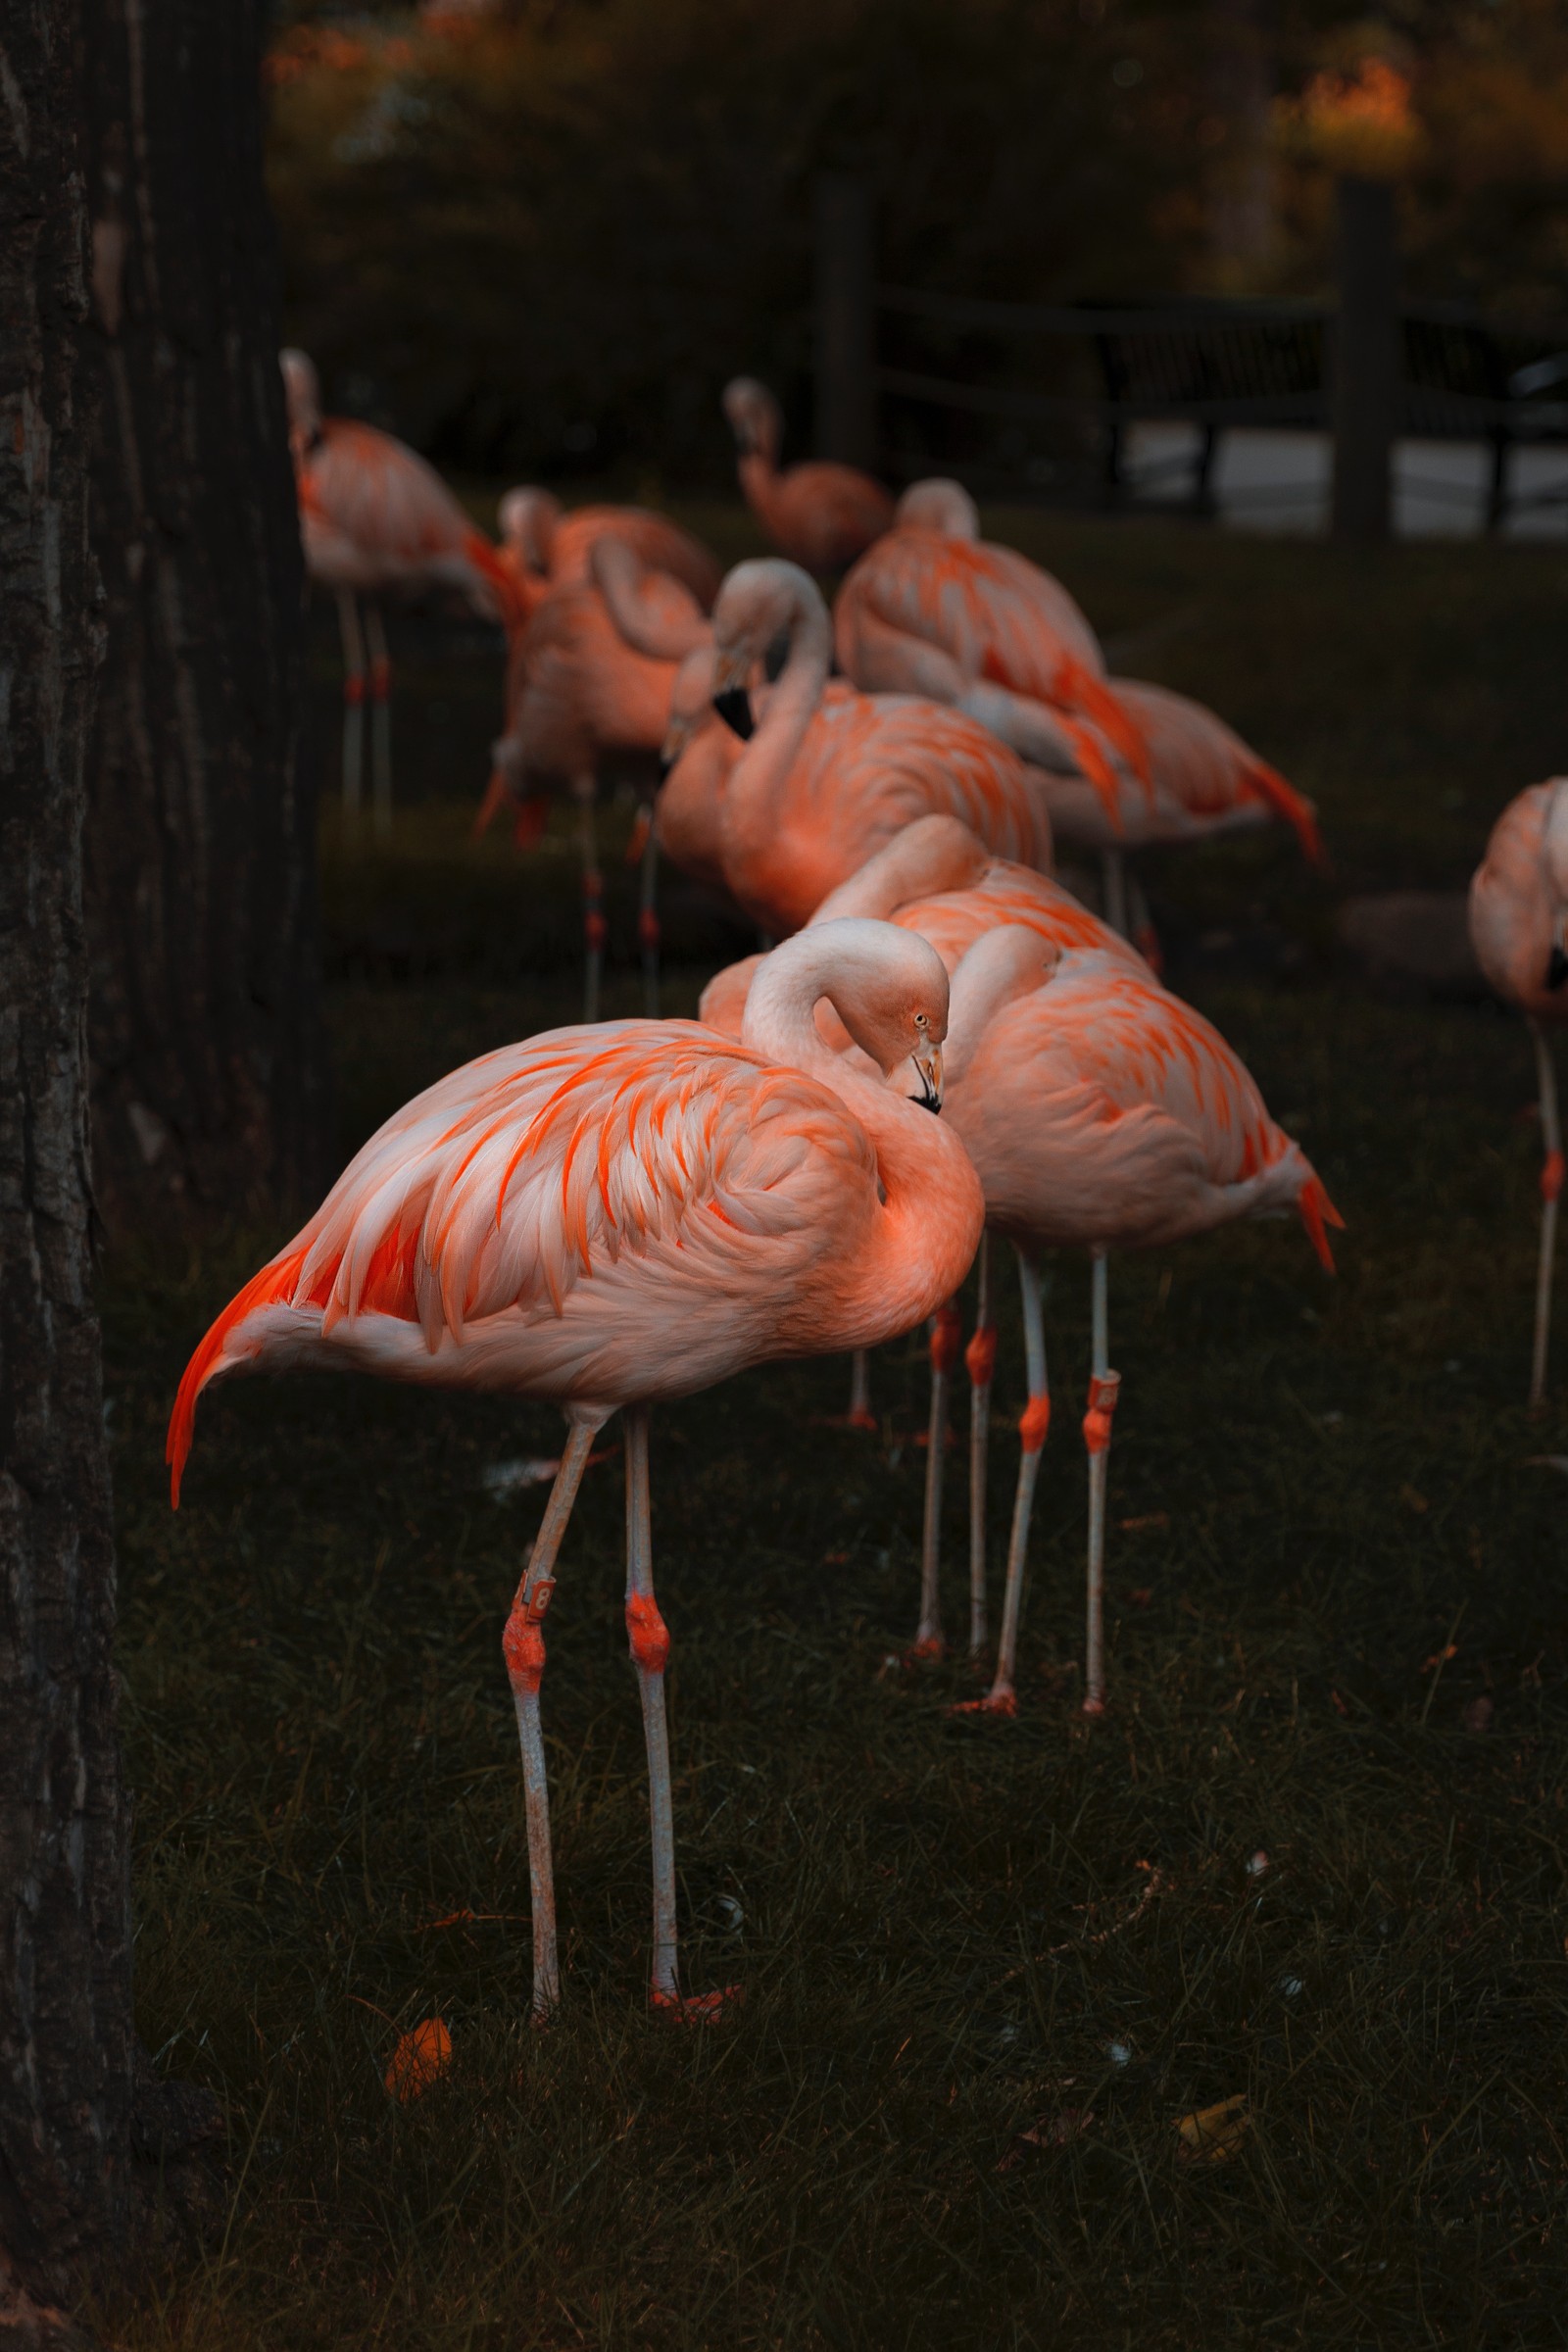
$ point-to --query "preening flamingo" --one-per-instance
(826, 774)
(819, 513)
(375, 520)
(610, 1218)
(1519, 926)
(545, 547)
(932, 609)
(580, 690)
(1100, 1111)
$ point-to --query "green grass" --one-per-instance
(942, 1931)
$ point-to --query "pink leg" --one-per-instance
(524, 1648)
(947, 1335)
(979, 1358)
(1104, 1386)
(1001, 1698)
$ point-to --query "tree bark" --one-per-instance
(65, 1945)
(208, 1071)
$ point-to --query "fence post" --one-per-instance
(846, 321)
(1367, 359)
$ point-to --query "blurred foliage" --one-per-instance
(540, 236)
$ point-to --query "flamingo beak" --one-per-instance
(927, 1060)
(734, 707)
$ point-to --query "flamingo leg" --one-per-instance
(945, 1337)
(860, 1414)
(586, 792)
(1104, 1386)
(348, 621)
(1551, 1176)
(1001, 1698)
(1115, 871)
(524, 1648)
(649, 1638)
(980, 1358)
(648, 924)
(380, 720)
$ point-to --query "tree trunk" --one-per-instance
(64, 1947)
(207, 1066)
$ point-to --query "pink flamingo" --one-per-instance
(825, 775)
(821, 514)
(545, 547)
(1100, 1111)
(376, 519)
(1519, 926)
(613, 1217)
(587, 680)
(933, 610)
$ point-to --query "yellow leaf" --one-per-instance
(420, 2058)
(1215, 2133)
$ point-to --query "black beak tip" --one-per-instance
(1556, 969)
(734, 708)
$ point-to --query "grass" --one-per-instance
(1330, 1538)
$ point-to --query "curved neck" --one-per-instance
(1008, 962)
(935, 853)
(929, 1186)
(653, 613)
(755, 793)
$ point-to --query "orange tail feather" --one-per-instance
(1095, 766)
(272, 1283)
(1286, 803)
(1317, 1212)
(1083, 691)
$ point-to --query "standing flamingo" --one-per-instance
(1519, 925)
(545, 547)
(1100, 1111)
(611, 1217)
(825, 775)
(821, 514)
(932, 609)
(580, 689)
(376, 519)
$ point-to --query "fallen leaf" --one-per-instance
(1056, 2131)
(1214, 2135)
(418, 2060)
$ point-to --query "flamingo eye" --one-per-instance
(921, 1021)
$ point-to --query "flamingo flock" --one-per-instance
(938, 1050)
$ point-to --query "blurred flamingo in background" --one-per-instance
(1519, 926)
(591, 676)
(545, 547)
(610, 1218)
(821, 514)
(823, 775)
(1100, 1111)
(933, 610)
(375, 520)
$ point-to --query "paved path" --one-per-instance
(1275, 482)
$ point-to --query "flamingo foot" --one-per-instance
(1003, 1703)
(925, 1651)
(696, 2008)
(1093, 1707)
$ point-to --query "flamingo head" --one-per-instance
(754, 418)
(888, 987)
(759, 601)
(302, 396)
(526, 518)
(942, 507)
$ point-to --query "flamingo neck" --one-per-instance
(932, 1208)
(1002, 966)
(755, 793)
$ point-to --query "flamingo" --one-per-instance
(821, 515)
(1100, 1111)
(376, 518)
(586, 680)
(544, 547)
(1519, 927)
(615, 1216)
(932, 609)
(826, 774)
